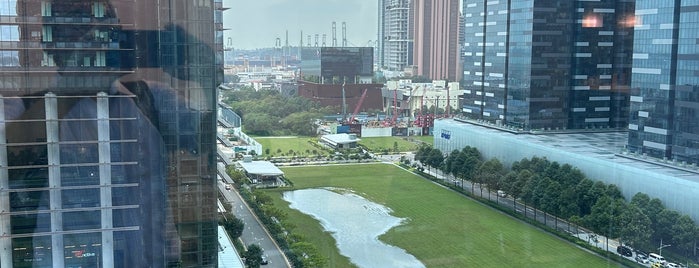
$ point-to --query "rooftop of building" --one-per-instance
(342, 138)
(264, 168)
(599, 144)
(228, 256)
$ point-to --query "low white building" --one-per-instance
(262, 172)
(340, 141)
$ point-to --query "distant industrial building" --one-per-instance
(337, 65)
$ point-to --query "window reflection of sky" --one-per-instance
(357, 238)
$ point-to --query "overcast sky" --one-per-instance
(257, 23)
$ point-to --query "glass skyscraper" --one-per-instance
(664, 85)
(107, 133)
(547, 64)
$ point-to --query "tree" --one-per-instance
(664, 224)
(301, 123)
(635, 227)
(253, 256)
(233, 225)
(435, 158)
(489, 173)
(259, 123)
(684, 234)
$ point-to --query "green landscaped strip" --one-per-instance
(379, 144)
(281, 145)
(445, 229)
(426, 139)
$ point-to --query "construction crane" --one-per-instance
(359, 105)
(395, 108)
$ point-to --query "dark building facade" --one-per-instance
(547, 64)
(107, 133)
(330, 65)
(664, 85)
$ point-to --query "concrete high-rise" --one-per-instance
(436, 44)
(664, 85)
(547, 64)
(107, 133)
(395, 35)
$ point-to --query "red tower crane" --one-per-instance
(359, 104)
(395, 109)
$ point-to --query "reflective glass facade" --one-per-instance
(107, 133)
(538, 65)
(664, 93)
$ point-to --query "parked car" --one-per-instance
(624, 251)
(656, 265)
(641, 258)
(264, 260)
(655, 258)
(672, 265)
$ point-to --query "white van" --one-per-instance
(655, 258)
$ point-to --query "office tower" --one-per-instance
(664, 85)
(107, 133)
(547, 64)
(436, 44)
(395, 36)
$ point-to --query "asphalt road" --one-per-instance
(254, 233)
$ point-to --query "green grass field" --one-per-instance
(378, 144)
(445, 229)
(281, 145)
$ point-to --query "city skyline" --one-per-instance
(257, 24)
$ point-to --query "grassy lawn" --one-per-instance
(378, 144)
(444, 229)
(281, 145)
(426, 139)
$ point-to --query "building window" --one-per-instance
(48, 60)
(100, 59)
(45, 8)
(98, 9)
(46, 33)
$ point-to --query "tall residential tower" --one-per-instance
(395, 34)
(436, 44)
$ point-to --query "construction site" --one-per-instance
(398, 108)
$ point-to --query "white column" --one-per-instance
(105, 173)
(5, 228)
(54, 161)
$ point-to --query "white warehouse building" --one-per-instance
(600, 156)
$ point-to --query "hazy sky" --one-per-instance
(257, 23)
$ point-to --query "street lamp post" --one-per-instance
(660, 249)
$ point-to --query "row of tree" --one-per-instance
(564, 191)
(267, 112)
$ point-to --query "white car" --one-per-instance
(672, 265)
